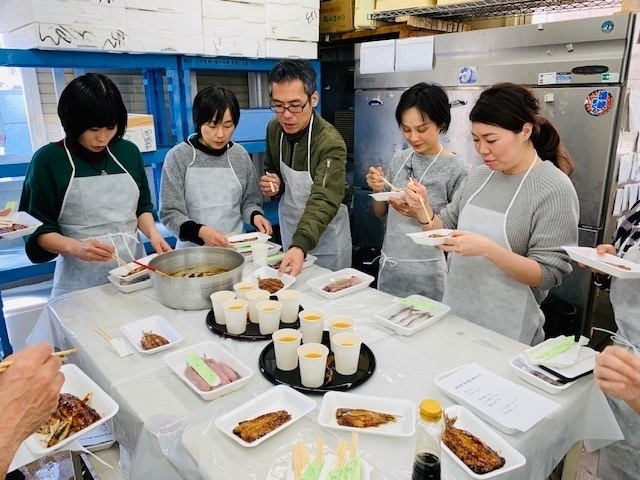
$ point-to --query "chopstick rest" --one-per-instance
(118, 344)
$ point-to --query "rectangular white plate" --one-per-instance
(128, 287)
(472, 424)
(268, 272)
(589, 257)
(385, 196)
(543, 380)
(404, 426)
(79, 384)
(317, 284)
(430, 238)
(274, 260)
(155, 324)
(177, 363)
(23, 218)
(248, 255)
(247, 239)
(123, 274)
(280, 397)
(438, 310)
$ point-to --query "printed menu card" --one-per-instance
(496, 398)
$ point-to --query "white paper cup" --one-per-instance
(268, 316)
(259, 253)
(346, 351)
(253, 297)
(339, 324)
(217, 299)
(312, 358)
(286, 342)
(311, 325)
(290, 300)
(241, 289)
(235, 314)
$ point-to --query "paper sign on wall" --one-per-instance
(377, 57)
(414, 54)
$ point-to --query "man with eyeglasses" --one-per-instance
(305, 163)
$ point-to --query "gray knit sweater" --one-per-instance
(173, 207)
(543, 218)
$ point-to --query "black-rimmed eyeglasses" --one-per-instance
(290, 108)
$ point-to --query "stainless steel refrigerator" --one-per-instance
(578, 69)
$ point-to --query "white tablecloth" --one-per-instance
(166, 431)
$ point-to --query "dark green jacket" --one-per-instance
(328, 170)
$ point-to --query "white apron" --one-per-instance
(102, 207)
(482, 293)
(334, 247)
(621, 460)
(214, 198)
(407, 268)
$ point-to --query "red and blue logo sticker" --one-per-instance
(598, 103)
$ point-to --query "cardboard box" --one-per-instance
(141, 131)
(336, 16)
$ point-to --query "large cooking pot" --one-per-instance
(193, 293)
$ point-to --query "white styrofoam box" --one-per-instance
(67, 37)
(146, 42)
(21, 315)
(183, 6)
(214, 27)
(302, 3)
(292, 31)
(290, 49)
(245, 12)
(91, 13)
(141, 21)
(141, 131)
(234, 47)
(292, 14)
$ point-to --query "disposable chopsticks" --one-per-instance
(424, 207)
(391, 185)
(121, 262)
(7, 363)
(103, 333)
(152, 269)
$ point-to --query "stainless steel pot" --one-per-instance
(193, 293)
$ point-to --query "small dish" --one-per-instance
(128, 287)
(399, 325)
(79, 384)
(465, 420)
(277, 398)
(22, 218)
(431, 237)
(385, 196)
(319, 283)
(404, 410)
(247, 239)
(537, 377)
(177, 363)
(274, 248)
(123, 273)
(154, 324)
(268, 272)
(606, 263)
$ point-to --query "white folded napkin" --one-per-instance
(559, 352)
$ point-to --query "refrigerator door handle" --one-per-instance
(374, 102)
(457, 103)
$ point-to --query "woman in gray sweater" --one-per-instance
(513, 215)
(209, 184)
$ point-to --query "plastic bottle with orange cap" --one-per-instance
(426, 463)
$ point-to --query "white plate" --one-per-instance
(404, 426)
(431, 237)
(317, 284)
(438, 310)
(248, 254)
(123, 274)
(128, 287)
(589, 257)
(248, 239)
(280, 397)
(274, 260)
(79, 384)
(385, 196)
(469, 422)
(155, 324)
(268, 272)
(176, 362)
(536, 377)
(23, 218)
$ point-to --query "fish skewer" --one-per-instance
(401, 315)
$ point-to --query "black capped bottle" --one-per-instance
(426, 463)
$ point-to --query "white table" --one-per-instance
(166, 431)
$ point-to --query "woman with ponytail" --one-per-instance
(511, 217)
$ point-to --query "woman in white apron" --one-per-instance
(406, 268)
(89, 190)
(209, 184)
(512, 216)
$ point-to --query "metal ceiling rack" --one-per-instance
(482, 9)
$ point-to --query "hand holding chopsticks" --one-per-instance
(413, 193)
(7, 363)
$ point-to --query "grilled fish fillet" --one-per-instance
(360, 418)
(476, 455)
(82, 414)
(252, 430)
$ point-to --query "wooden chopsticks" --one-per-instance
(424, 207)
(391, 185)
(7, 363)
(103, 333)
(152, 269)
(121, 262)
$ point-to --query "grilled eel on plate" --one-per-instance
(361, 418)
(478, 456)
(252, 430)
(71, 416)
